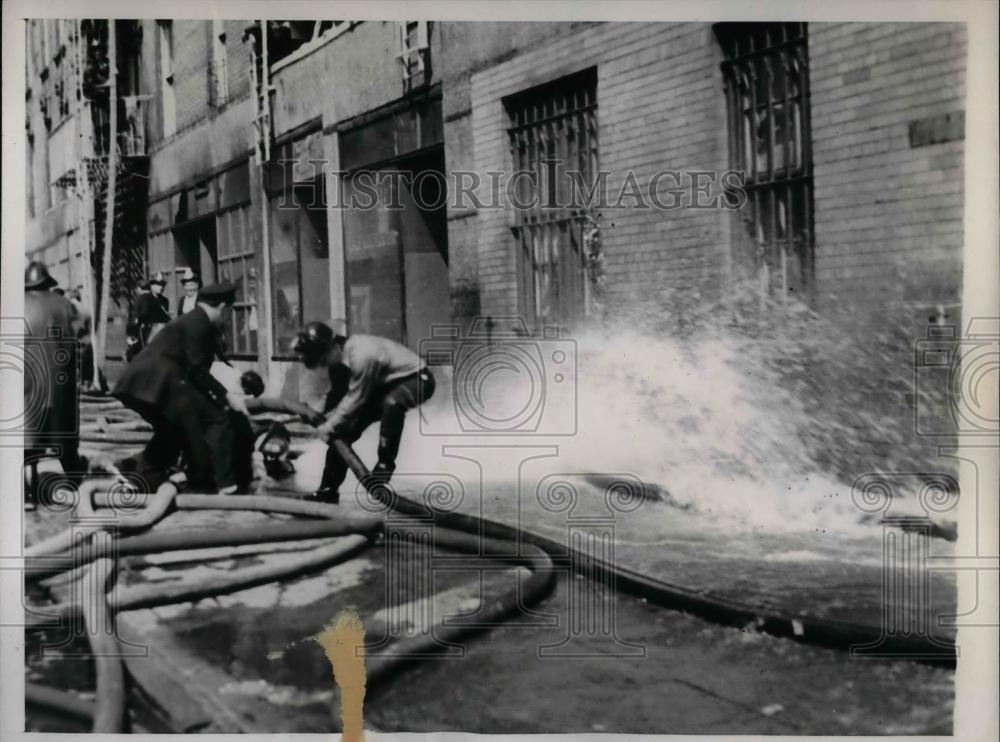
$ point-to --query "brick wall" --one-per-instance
(889, 207)
(191, 59)
(888, 122)
(660, 106)
(888, 197)
(237, 59)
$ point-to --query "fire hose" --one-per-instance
(466, 533)
(58, 700)
(808, 629)
(111, 692)
(109, 713)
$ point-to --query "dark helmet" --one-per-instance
(252, 383)
(37, 278)
(313, 342)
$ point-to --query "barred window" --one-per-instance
(553, 140)
(766, 74)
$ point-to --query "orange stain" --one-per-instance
(344, 644)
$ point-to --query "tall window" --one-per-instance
(236, 263)
(218, 74)
(169, 103)
(300, 262)
(766, 73)
(553, 140)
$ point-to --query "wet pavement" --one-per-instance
(585, 660)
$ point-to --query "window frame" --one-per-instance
(248, 258)
(533, 125)
(779, 218)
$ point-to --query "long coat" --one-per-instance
(179, 356)
(152, 310)
(51, 366)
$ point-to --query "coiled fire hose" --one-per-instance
(111, 693)
(465, 533)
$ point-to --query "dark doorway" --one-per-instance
(196, 249)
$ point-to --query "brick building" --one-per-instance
(850, 136)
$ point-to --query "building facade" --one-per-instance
(849, 138)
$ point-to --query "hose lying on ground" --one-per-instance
(110, 427)
(137, 437)
(537, 587)
(530, 553)
(109, 714)
(539, 584)
(809, 629)
(153, 595)
(152, 543)
(131, 520)
(58, 700)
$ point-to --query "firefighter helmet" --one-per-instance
(313, 342)
(37, 278)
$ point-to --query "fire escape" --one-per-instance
(131, 155)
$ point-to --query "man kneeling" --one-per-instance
(383, 381)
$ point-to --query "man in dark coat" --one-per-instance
(170, 385)
(51, 404)
(152, 310)
(372, 379)
(133, 335)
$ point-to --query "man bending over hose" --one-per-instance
(384, 381)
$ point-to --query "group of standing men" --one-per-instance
(152, 309)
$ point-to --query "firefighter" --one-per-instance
(191, 283)
(170, 385)
(152, 310)
(51, 404)
(372, 379)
